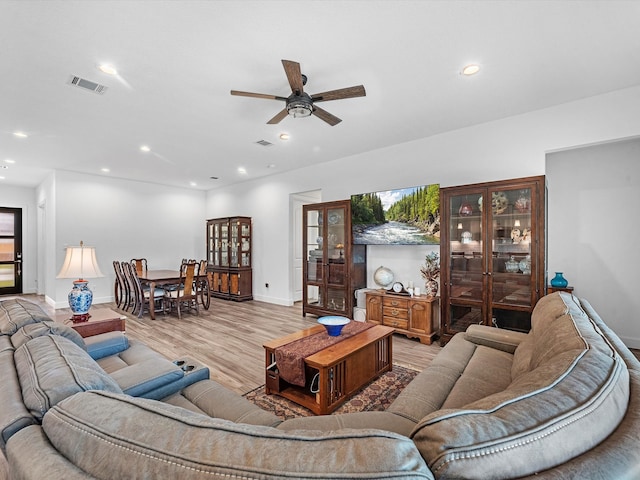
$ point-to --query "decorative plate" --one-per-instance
(499, 202)
(334, 218)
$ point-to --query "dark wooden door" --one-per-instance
(10, 250)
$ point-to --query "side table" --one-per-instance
(102, 320)
(551, 289)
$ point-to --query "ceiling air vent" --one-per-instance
(264, 143)
(87, 85)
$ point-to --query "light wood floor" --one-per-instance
(228, 338)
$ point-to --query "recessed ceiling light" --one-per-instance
(145, 148)
(20, 134)
(242, 170)
(8, 160)
(193, 184)
(284, 136)
(271, 165)
(105, 170)
(471, 69)
(1, 177)
(108, 69)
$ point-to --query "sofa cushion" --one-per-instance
(14, 416)
(487, 372)
(212, 399)
(568, 402)
(33, 330)
(51, 368)
(92, 428)
(16, 313)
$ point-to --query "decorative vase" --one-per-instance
(431, 288)
(512, 265)
(559, 281)
(80, 298)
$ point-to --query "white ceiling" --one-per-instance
(178, 60)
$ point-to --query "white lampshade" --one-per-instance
(80, 262)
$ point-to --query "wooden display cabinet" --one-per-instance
(229, 258)
(333, 268)
(493, 261)
(415, 317)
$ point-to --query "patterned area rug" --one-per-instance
(376, 396)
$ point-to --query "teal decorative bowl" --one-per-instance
(333, 324)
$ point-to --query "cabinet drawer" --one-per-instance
(395, 302)
(397, 313)
(395, 322)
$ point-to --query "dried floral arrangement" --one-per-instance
(431, 268)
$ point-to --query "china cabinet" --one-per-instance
(333, 268)
(493, 254)
(229, 258)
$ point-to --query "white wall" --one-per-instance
(508, 148)
(123, 220)
(25, 198)
(595, 229)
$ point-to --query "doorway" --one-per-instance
(10, 251)
(297, 200)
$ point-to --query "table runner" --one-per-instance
(290, 357)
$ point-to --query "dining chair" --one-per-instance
(202, 285)
(120, 292)
(185, 295)
(129, 301)
(140, 264)
(143, 301)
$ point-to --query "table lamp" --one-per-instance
(80, 262)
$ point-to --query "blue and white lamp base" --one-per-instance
(80, 299)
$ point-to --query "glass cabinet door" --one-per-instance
(211, 244)
(336, 266)
(326, 274)
(234, 244)
(467, 261)
(314, 237)
(511, 281)
(245, 244)
(224, 245)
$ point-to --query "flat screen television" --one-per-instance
(406, 216)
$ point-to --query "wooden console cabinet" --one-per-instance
(415, 317)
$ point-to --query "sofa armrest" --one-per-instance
(106, 344)
(498, 338)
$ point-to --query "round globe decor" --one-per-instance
(383, 277)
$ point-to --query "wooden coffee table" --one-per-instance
(342, 368)
(102, 320)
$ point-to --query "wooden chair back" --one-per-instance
(140, 264)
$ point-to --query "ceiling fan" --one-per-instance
(300, 103)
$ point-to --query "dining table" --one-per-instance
(154, 278)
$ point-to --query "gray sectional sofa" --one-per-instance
(562, 401)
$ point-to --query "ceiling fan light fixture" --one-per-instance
(299, 109)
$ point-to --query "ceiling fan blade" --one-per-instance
(257, 95)
(294, 75)
(279, 116)
(339, 94)
(326, 116)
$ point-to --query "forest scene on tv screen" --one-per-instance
(408, 216)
